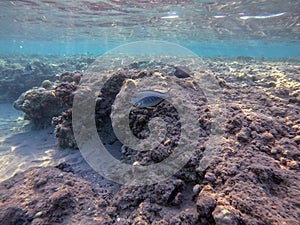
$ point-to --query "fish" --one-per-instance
(148, 98)
(28, 69)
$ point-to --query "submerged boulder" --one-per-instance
(39, 106)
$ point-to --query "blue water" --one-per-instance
(256, 28)
(216, 48)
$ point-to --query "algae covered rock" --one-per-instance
(61, 197)
(63, 130)
(39, 106)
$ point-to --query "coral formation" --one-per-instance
(63, 130)
(254, 179)
(39, 106)
(46, 104)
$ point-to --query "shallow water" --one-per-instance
(22, 147)
(57, 36)
(224, 146)
(249, 28)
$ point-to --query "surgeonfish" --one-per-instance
(148, 99)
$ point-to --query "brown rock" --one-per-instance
(297, 139)
(166, 192)
(293, 165)
(244, 135)
(205, 203)
(11, 215)
(267, 137)
(51, 202)
(209, 178)
(140, 221)
(161, 222)
(224, 216)
(181, 72)
(186, 217)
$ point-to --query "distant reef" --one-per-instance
(21, 72)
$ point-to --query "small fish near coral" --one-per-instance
(28, 69)
(148, 99)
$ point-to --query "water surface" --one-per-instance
(227, 28)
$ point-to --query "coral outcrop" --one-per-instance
(39, 106)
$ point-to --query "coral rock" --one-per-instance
(223, 216)
(39, 106)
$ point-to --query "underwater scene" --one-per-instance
(159, 112)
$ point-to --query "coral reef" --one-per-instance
(15, 79)
(42, 104)
(254, 178)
